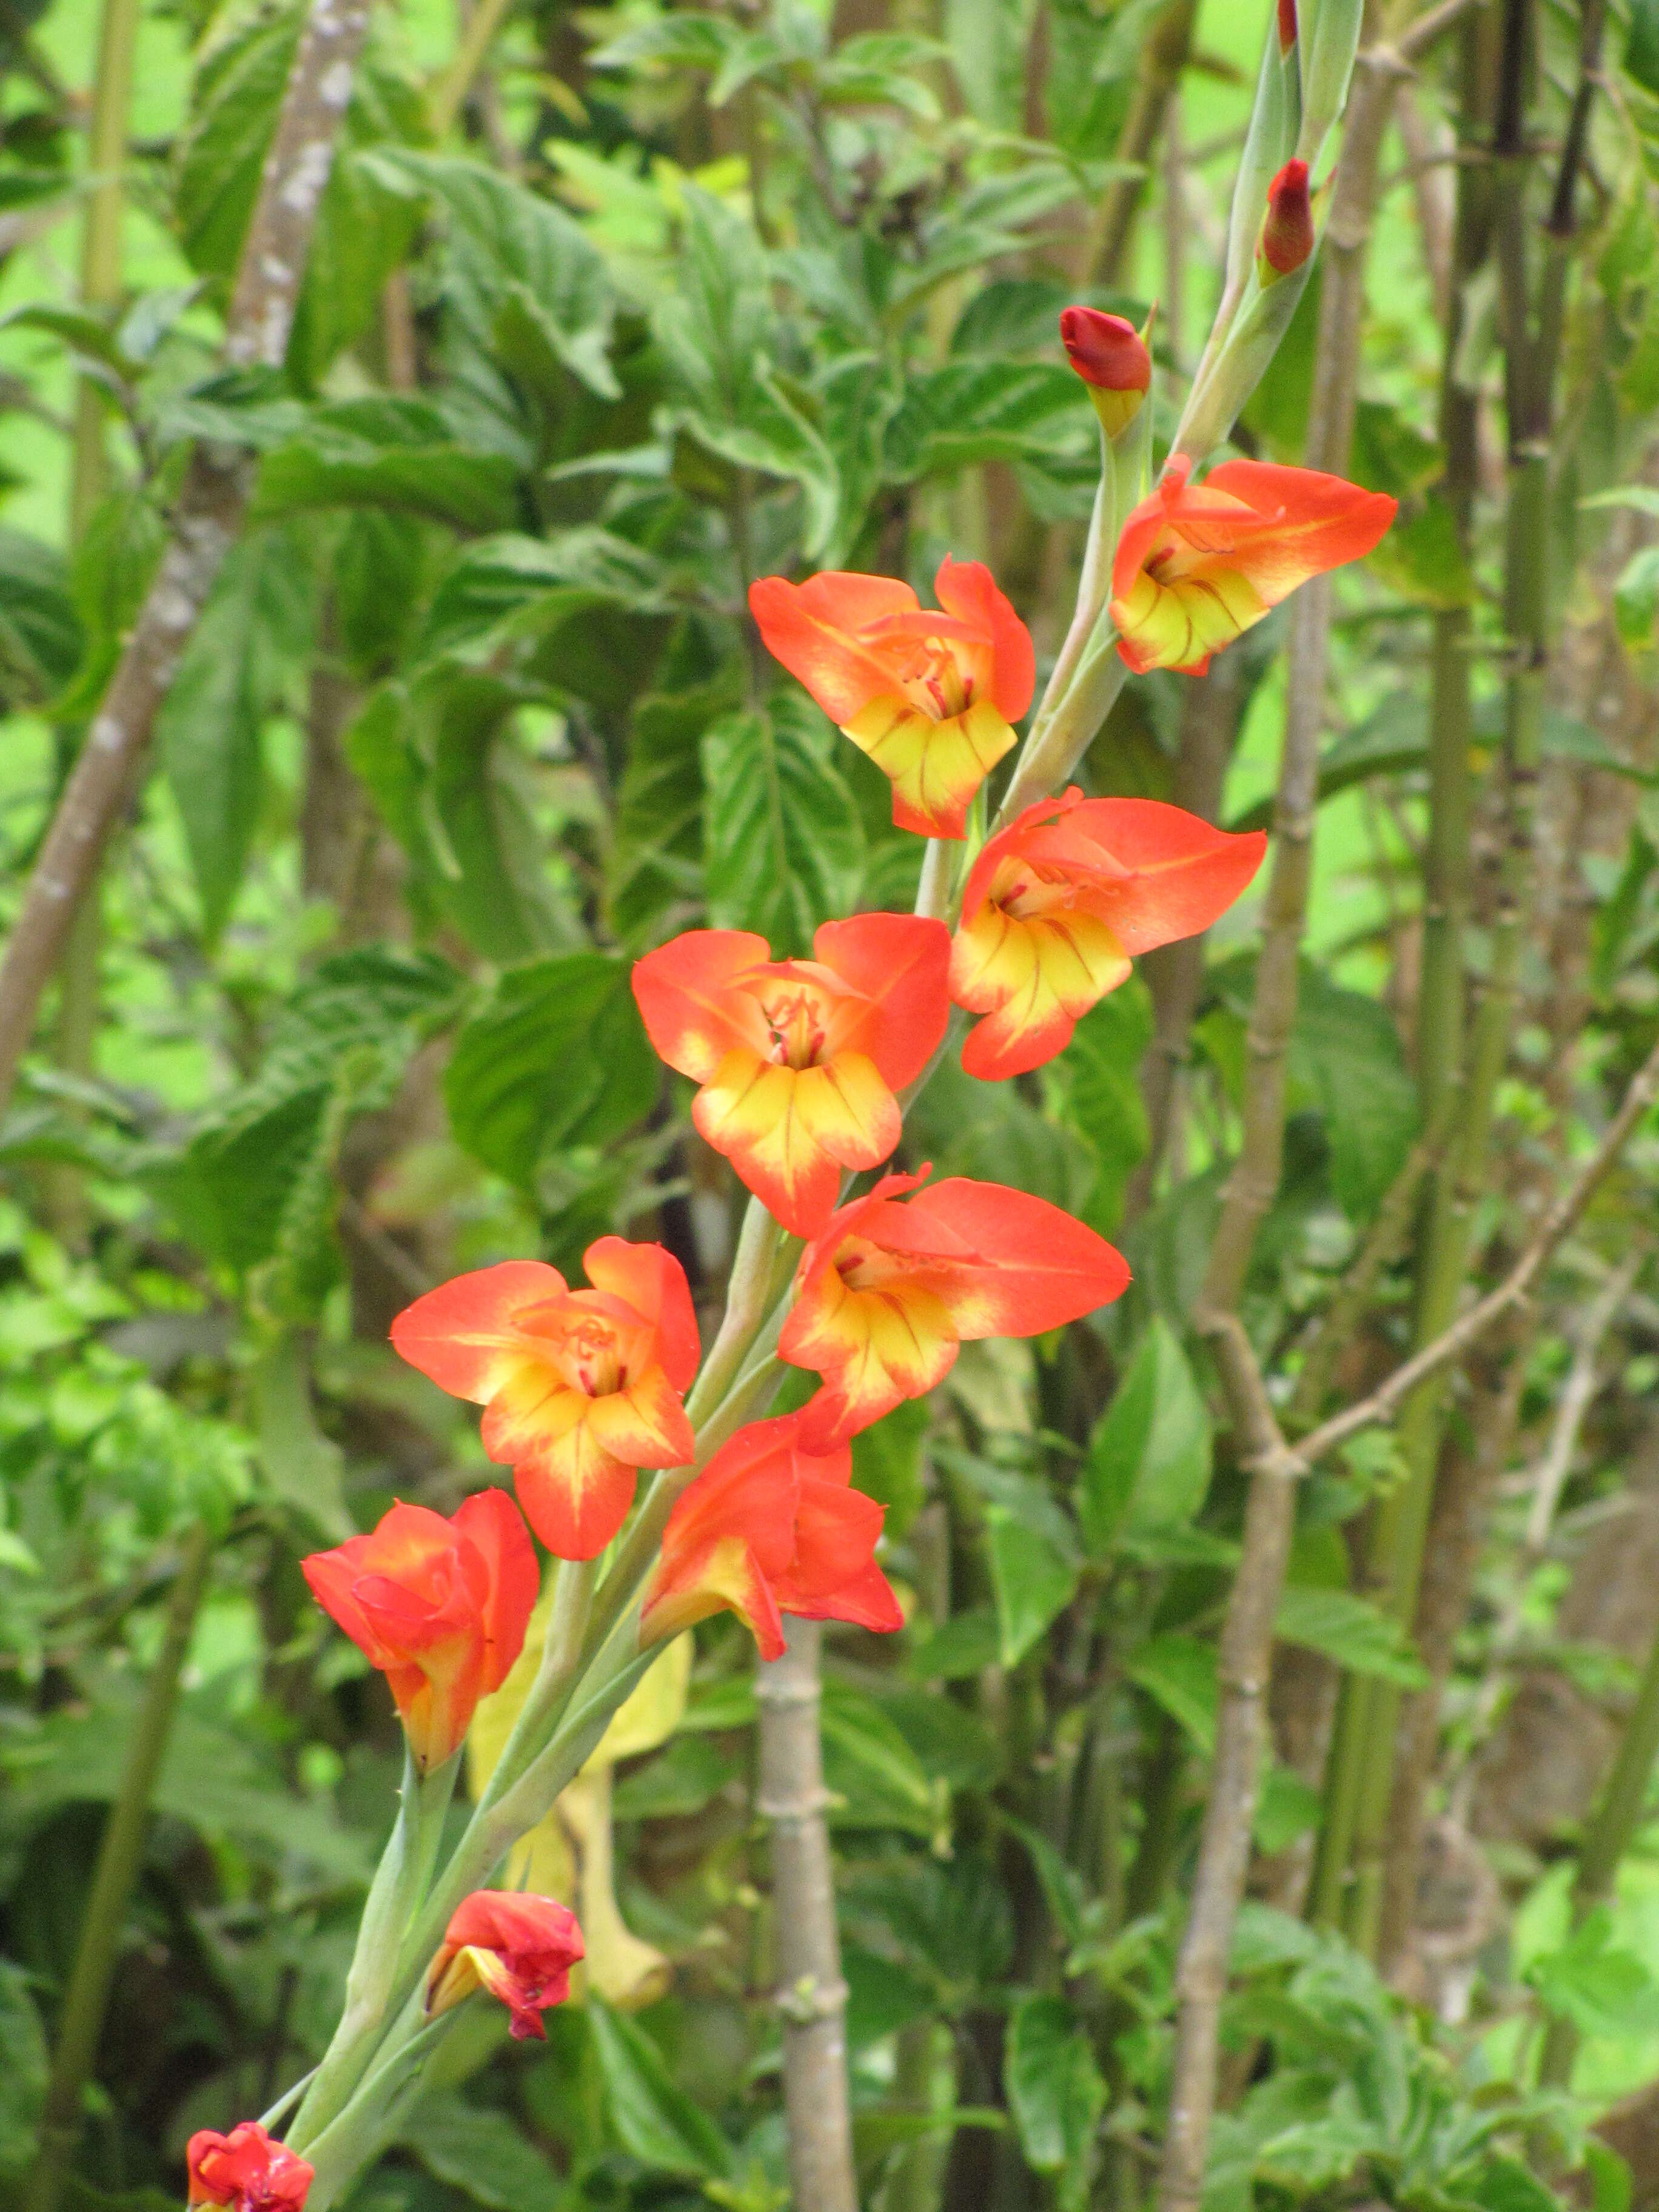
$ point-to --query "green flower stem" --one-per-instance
(567, 1626)
(401, 1881)
(1606, 1838)
(119, 1856)
(364, 2127)
(748, 1297)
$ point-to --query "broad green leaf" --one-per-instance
(655, 2120)
(366, 221)
(1033, 1576)
(1641, 43)
(783, 848)
(1345, 1059)
(476, 2149)
(238, 88)
(244, 652)
(1148, 1458)
(389, 451)
(1352, 1632)
(302, 1466)
(1178, 1672)
(1600, 1985)
(1097, 1078)
(40, 634)
(511, 588)
(656, 854)
(887, 1463)
(869, 1768)
(556, 1057)
(1054, 2090)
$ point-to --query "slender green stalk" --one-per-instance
(1440, 1027)
(401, 1881)
(119, 1856)
(1401, 1523)
(1612, 1826)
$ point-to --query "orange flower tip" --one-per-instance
(517, 1947)
(1110, 355)
(1287, 227)
(247, 2170)
(1286, 25)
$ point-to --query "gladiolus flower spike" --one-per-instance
(1287, 227)
(519, 1947)
(440, 1607)
(799, 1060)
(767, 1529)
(1110, 355)
(1197, 565)
(932, 698)
(891, 1290)
(247, 2170)
(580, 1388)
(1058, 902)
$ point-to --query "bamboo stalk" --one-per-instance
(1401, 1524)
(1246, 1653)
(811, 1996)
(205, 523)
(121, 1855)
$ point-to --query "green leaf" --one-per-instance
(871, 1769)
(556, 1057)
(1602, 1987)
(388, 451)
(510, 248)
(303, 1466)
(783, 847)
(1098, 1078)
(1054, 2090)
(656, 854)
(1351, 1631)
(367, 220)
(253, 636)
(477, 2150)
(1641, 43)
(24, 2070)
(1178, 1672)
(1346, 1058)
(1150, 1455)
(887, 1463)
(40, 634)
(1033, 1574)
(503, 590)
(655, 2122)
(239, 89)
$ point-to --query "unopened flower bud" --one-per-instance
(1286, 25)
(1287, 227)
(1110, 355)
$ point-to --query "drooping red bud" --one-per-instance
(1287, 227)
(1110, 355)
(1286, 25)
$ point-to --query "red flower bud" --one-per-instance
(1110, 355)
(1286, 25)
(247, 2170)
(1288, 229)
(519, 1947)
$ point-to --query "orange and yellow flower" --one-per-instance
(1197, 565)
(932, 698)
(768, 1528)
(888, 1294)
(1058, 902)
(580, 1388)
(799, 1060)
(519, 1947)
(248, 2170)
(440, 1607)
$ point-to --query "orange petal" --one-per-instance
(645, 1425)
(1034, 1267)
(721, 1576)
(900, 963)
(790, 1132)
(967, 588)
(650, 1280)
(575, 1497)
(692, 1014)
(812, 628)
(873, 1349)
(463, 1333)
(492, 1524)
(934, 768)
(1034, 977)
